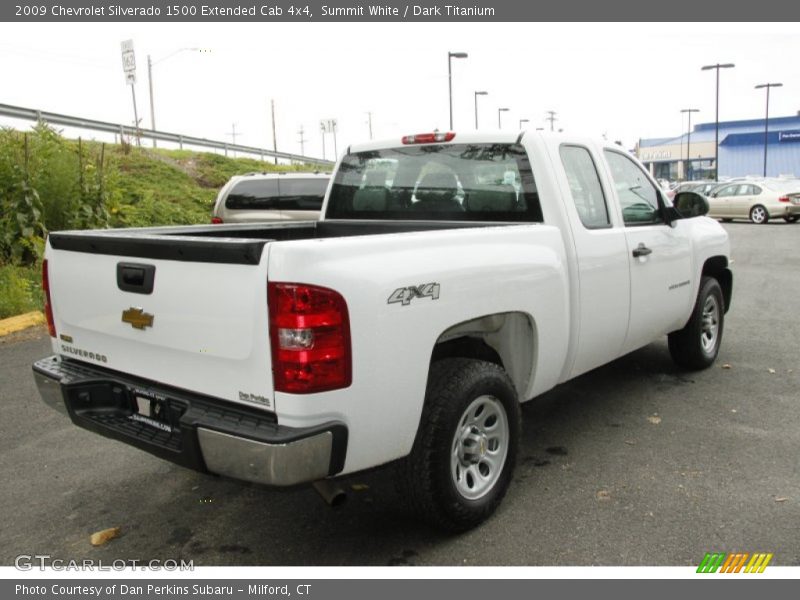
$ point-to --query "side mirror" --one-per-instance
(690, 204)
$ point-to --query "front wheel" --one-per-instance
(696, 345)
(759, 215)
(464, 454)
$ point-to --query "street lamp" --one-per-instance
(766, 119)
(689, 142)
(150, 64)
(521, 121)
(450, 57)
(476, 105)
(500, 111)
(716, 118)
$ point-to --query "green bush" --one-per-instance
(50, 183)
(20, 290)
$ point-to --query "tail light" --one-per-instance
(428, 138)
(216, 221)
(783, 199)
(48, 305)
(310, 336)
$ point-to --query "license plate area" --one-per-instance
(156, 410)
(135, 412)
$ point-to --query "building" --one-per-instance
(741, 150)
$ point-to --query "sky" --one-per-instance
(621, 81)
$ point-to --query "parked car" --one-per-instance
(702, 186)
(270, 197)
(758, 201)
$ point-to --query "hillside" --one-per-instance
(51, 183)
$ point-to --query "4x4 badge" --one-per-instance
(137, 318)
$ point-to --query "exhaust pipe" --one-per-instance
(331, 492)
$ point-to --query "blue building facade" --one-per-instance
(741, 150)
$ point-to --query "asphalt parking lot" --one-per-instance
(635, 463)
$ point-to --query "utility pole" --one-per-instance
(369, 115)
(274, 138)
(302, 142)
(322, 130)
(717, 67)
(233, 133)
(551, 118)
(688, 174)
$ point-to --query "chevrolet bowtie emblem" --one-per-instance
(137, 318)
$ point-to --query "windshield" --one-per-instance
(446, 182)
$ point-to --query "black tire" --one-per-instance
(727, 220)
(791, 218)
(432, 477)
(696, 345)
(759, 215)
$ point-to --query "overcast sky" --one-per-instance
(624, 81)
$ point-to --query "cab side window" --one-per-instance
(638, 197)
(584, 185)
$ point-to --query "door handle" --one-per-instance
(641, 250)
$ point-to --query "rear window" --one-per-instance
(277, 194)
(302, 194)
(446, 182)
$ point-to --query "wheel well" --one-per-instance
(506, 339)
(717, 267)
(466, 347)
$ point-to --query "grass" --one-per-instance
(145, 187)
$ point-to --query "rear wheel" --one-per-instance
(759, 214)
(726, 220)
(464, 454)
(791, 218)
(696, 345)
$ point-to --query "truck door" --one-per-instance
(659, 255)
(602, 261)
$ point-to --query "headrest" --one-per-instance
(437, 187)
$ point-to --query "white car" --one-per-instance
(757, 200)
(259, 197)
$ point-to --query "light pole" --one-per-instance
(717, 66)
(500, 111)
(521, 121)
(150, 64)
(450, 57)
(687, 175)
(476, 105)
(766, 119)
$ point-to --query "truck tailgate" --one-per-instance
(203, 327)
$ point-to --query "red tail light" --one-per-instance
(48, 305)
(429, 138)
(784, 199)
(216, 221)
(309, 331)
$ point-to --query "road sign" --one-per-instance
(128, 62)
(328, 125)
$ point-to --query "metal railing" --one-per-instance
(18, 112)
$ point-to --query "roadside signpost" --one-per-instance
(129, 68)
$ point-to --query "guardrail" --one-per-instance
(18, 112)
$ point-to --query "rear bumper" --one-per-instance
(198, 432)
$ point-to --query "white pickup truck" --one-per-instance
(451, 277)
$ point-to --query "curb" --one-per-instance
(20, 322)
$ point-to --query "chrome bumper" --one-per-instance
(202, 433)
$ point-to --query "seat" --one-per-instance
(437, 192)
(497, 198)
(373, 196)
